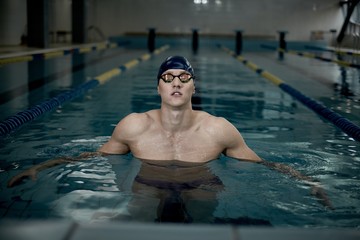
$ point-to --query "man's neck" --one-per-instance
(175, 120)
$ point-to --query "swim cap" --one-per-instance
(175, 62)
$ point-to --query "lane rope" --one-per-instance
(348, 127)
(13, 123)
(340, 52)
(314, 56)
(58, 53)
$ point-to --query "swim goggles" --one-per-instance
(183, 77)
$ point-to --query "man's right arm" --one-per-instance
(32, 171)
(116, 145)
(126, 132)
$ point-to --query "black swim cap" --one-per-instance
(175, 62)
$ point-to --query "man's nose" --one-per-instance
(176, 82)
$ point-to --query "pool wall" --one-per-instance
(39, 230)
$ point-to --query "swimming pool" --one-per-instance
(276, 126)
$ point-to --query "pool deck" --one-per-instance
(19, 50)
(50, 229)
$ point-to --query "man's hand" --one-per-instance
(32, 172)
(29, 173)
(316, 189)
(321, 195)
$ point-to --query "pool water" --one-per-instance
(223, 191)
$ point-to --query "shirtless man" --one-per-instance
(173, 132)
(177, 132)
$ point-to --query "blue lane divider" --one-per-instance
(16, 121)
(13, 123)
(339, 121)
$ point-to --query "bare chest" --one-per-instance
(190, 147)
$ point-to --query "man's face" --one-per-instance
(176, 87)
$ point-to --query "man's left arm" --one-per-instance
(236, 147)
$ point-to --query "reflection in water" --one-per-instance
(343, 87)
(116, 188)
(123, 188)
(172, 191)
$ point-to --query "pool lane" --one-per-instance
(39, 82)
(340, 62)
(339, 121)
(12, 123)
(53, 53)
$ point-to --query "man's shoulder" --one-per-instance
(136, 122)
(219, 129)
(211, 120)
(141, 117)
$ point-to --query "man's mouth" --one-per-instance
(176, 94)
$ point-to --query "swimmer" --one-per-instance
(176, 131)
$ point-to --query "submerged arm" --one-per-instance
(316, 189)
(237, 148)
(116, 145)
(32, 171)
